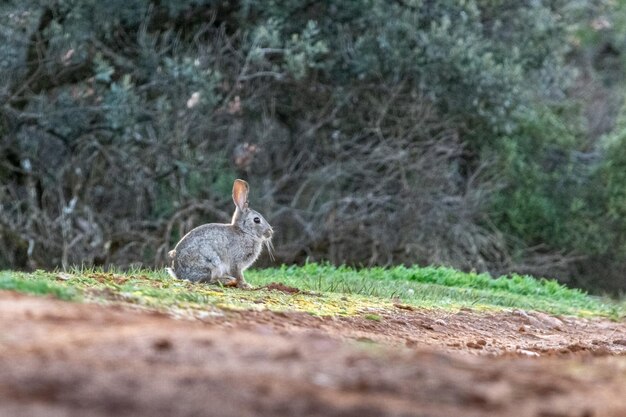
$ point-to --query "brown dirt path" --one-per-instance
(68, 359)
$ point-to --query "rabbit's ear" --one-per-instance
(240, 194)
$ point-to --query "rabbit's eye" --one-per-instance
(257, 220)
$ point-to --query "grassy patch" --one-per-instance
(438, 287)
(326, 290)
(38, 283)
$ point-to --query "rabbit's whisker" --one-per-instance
(270, 249)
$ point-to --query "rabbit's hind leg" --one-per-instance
(197, 267)
(214, 272)
(198, 272)
(189, 266)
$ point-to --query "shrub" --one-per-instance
(372, 132)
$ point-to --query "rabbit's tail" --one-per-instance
(171, 272)
(171, 255)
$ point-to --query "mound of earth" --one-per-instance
(68, 359)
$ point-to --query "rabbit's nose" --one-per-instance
(268, 233)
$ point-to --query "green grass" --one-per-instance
(37, 283)
(326, 290)
(439, 287)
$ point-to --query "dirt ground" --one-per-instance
(68, 359)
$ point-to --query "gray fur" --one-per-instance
(219, 253)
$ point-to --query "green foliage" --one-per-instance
(542, 199)
(609, 181)
(121, 104)
(481, 61)
(605, 39)
(452, 122)
(301, 52)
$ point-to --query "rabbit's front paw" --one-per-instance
(244, 285)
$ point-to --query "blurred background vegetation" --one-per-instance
(479, 134)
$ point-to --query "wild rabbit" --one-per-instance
(219, 253)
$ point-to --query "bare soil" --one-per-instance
(68, 359)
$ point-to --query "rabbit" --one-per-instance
(219, 253)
